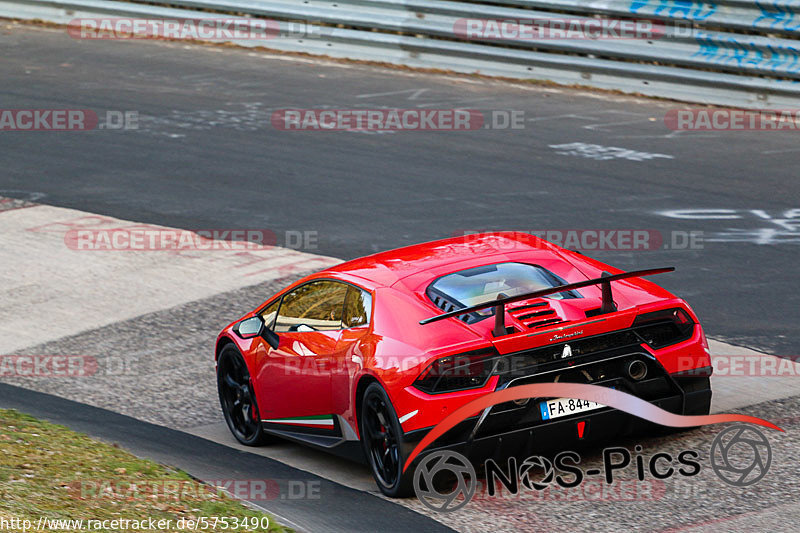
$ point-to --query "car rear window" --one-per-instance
(481, 284)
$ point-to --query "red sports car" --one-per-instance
(369, 355)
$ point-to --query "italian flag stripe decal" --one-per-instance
(322, 420)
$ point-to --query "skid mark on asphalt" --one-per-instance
(76, 290)
(755, 226)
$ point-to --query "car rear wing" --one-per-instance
(499, 304)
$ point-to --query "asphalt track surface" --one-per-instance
(206, 156)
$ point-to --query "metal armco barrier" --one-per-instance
(741, 53)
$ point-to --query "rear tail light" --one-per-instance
(665, 327)
(457, 372)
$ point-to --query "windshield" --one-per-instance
(481, 284)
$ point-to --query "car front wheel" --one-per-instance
(238, 399)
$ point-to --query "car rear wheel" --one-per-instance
(238, 399)
(381, 436)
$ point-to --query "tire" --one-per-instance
(381, 436)
(237, 399)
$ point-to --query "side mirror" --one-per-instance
(255, 327)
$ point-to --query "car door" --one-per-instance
(294, 380)
(351, 351)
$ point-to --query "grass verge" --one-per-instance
(48, 472)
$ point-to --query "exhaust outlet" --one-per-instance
(637, 370)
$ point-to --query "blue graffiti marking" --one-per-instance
(782, 16)
(739, 52)
(682, 9)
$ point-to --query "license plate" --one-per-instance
(566, 406)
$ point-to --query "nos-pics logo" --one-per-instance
(446, 481)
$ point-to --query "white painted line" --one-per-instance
(605, 153)
(50, 291)
(282, 520)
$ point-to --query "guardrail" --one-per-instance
(742, 53)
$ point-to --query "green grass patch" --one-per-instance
(48, 471)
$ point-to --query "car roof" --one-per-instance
(387, 268)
